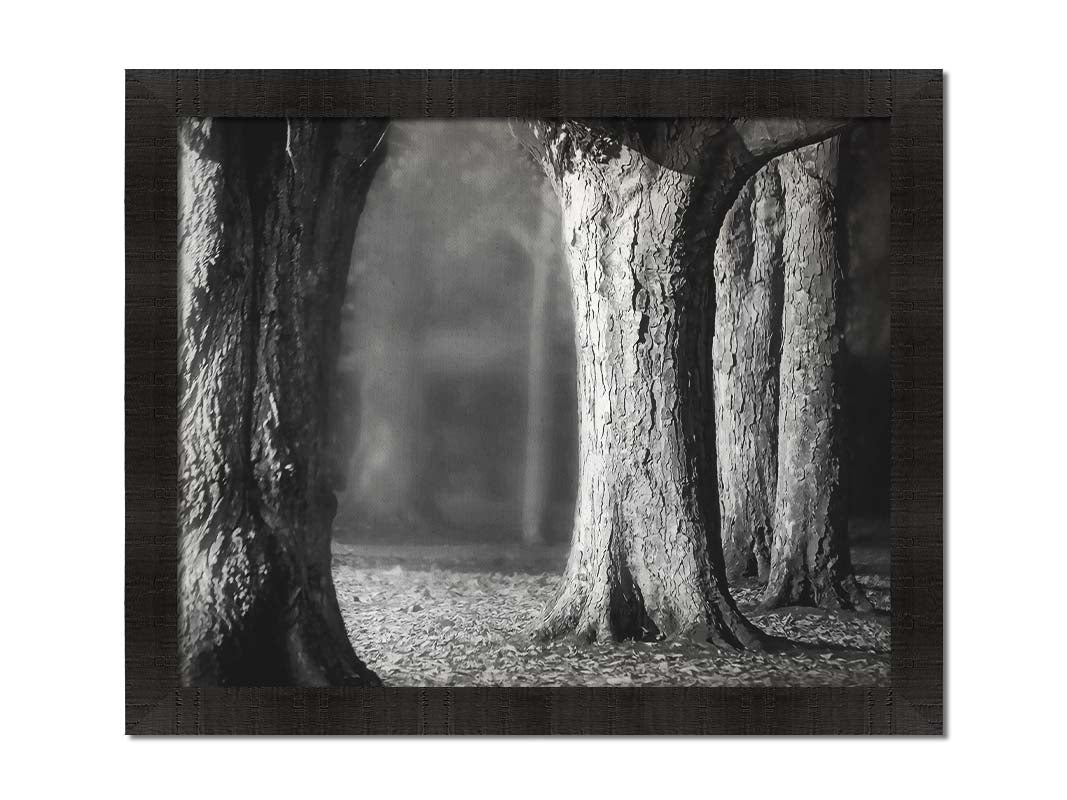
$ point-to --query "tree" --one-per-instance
(810, 561)
(642, 206)
(267, 215)
(746, 351)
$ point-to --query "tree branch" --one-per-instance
(766, 138)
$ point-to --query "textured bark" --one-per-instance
(810, 562)
(748, 320)
(642, 206)
(267, 215)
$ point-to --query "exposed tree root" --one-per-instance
(618, 612)
(788, 589)
(318, 658)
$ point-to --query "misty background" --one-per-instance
(454, 412)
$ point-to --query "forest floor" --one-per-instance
(461, 615)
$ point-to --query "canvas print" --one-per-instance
(533, 402)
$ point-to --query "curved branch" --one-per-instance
(765, 138)
(701, 147)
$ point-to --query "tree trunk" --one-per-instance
(267, 215)
(748, 324)
(810, 561)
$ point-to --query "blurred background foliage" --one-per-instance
(454, 414)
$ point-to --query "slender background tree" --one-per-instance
(541, 245)
(453, 334)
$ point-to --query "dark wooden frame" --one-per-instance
(912, 100)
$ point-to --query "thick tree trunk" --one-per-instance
(748, 324)
(267, 215)
(810, 562)
(640, 564)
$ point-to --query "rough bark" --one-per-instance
(810, 561)
(267, 215)
(642, 206)
(748, 319)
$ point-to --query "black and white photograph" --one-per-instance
(534, 402)
(477, 400)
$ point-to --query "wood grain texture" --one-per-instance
(912, 100)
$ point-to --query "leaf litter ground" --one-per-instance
(461, 615)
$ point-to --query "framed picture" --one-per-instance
(547, 402)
